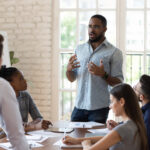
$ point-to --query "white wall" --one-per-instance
(6, 58)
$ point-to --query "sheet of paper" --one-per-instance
(36, 138)
(44, 133)
(97, 132)
(33, 137)
(84, 124)
(6, 145)
(62, 145)
(104, 130)
(32, 144)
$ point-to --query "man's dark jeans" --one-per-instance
(82, 115)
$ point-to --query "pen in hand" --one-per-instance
(83, 125)
(111, 124)
(64, 134)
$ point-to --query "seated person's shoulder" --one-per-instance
(24, 93)
(149, 107)
(147, 114)
(4, 84)
(146, 108)
(128, 128)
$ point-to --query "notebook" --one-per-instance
(60, 130)
(62, 145)
(97, 132)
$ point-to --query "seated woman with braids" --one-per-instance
(25, 101)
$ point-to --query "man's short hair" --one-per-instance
(145, 85)
(101, 18)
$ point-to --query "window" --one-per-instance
(128, 29)
(137, 39)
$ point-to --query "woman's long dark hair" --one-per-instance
(1, 45)
(132, 109)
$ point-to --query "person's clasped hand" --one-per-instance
(70, 141)
(45, 124)
(111, 124)
(86, 144)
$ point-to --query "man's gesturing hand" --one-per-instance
(96, 70)
(72, 64)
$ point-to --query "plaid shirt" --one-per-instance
(27, 106)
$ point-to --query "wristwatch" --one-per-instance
(105, 76)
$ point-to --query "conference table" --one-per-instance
(48, 144)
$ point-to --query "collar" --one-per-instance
(20, 94)
(105, 42)
(145, 107)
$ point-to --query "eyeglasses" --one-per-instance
(94, 27)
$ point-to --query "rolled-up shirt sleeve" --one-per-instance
(116, 65)
(10, 118)
(33, 110)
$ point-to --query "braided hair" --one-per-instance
(8, 73)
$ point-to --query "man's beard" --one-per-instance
(96, 39)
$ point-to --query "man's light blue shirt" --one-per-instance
(92, 90)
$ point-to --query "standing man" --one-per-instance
(96, 64)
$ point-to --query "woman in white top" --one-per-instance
(10, 119)
(130, 135)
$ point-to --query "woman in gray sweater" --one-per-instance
(130, 135)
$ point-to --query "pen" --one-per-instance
(64, 133)
(83, 125)
(110, 123)
(32, 145)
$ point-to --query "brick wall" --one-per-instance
(28, 25)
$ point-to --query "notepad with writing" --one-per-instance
(62, 145)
